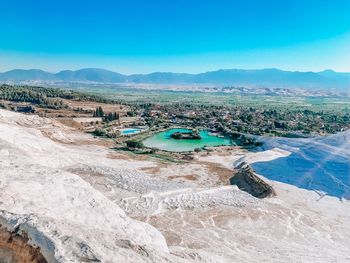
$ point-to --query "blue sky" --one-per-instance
(135, 36)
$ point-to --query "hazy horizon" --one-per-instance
(175, 72)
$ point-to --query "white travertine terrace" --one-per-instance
(79, 204)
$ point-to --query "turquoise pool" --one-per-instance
(129, 131)
(163, 141)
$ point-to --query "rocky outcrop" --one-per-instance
(21, 241)
(246, 180)
(15, 248)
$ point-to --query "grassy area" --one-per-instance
(130, 96)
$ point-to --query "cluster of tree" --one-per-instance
(104, 133)
(45, 97)
(112, 116)
(99, 112)
(134, 144)
(244, 119)
(23, 94)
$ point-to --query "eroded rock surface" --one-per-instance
(15, 248)
(246, 180)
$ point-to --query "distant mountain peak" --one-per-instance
(328, 71)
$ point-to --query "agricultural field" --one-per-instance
(129, 96)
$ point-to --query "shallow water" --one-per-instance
(163, 141)
(321, 164)
(130, 131)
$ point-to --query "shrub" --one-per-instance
(134, 144)
(99, 132)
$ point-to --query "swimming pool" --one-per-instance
(129, 131)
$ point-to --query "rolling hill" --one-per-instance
(276, 78)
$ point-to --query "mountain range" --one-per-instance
(275, 78)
